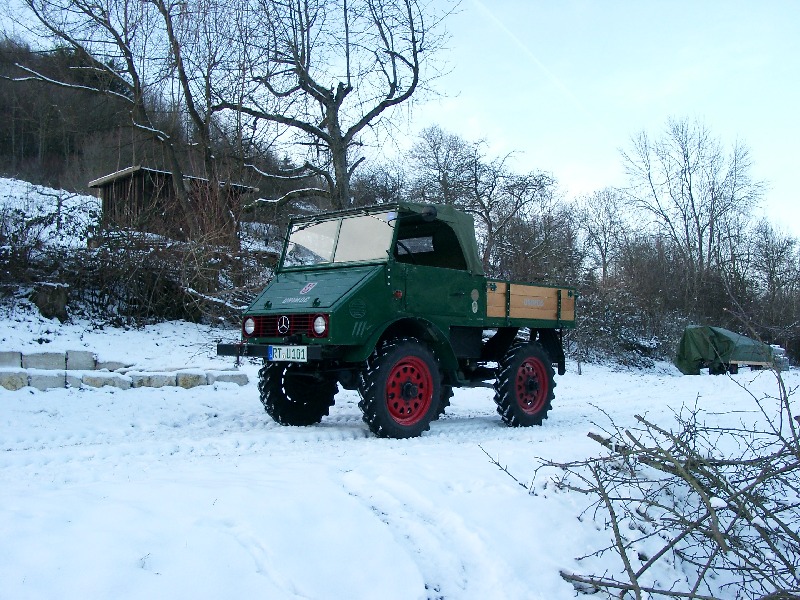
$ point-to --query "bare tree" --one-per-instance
(379, 184)
(519, 197)
(327, 70)
(497, 197)
(450, 170)
(543, 246)
(602, 218)
(774, 261)
(441, 163)
(119, 40)
(775, 272)
(693, 190)
(201, 59)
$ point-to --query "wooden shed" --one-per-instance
(143, 199)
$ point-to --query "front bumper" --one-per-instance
(260, 350)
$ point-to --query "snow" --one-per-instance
(717, 503)
(196, 493)
(51, 217)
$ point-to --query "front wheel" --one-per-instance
(294, 396)
(400, 389)
(524, 386)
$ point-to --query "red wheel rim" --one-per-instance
(531, 385)
(409, 391)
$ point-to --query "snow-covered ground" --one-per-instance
(173, 493)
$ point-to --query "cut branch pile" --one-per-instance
(718, 504)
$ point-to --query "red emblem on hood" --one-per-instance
(308, 287)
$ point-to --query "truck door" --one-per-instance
(437, 283)
(442, 292)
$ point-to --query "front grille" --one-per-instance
(267, 325)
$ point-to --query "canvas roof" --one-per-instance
(462, 224)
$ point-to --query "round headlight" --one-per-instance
(320, 325)
(249, 326)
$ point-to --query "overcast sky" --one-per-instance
(565, 84)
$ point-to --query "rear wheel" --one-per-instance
(444, 400)
(292, 395)
(524, 386)
(401, 389)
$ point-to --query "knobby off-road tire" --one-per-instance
(401, 389)
(444, 400)
(291, 397)
(524, 386)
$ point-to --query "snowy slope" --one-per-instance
(172, 493)
(54, 217)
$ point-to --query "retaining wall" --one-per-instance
(80, 368)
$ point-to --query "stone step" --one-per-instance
(15, 378)
(80, 368)
(45, 379)
(71, 360)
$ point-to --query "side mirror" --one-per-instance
(429, 213)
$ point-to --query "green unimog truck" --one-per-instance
(392, 301)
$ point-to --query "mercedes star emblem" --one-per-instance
(283, 324)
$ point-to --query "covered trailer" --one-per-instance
(719, 350)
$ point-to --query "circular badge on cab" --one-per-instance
(357, 308)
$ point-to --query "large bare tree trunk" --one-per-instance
(348, 61)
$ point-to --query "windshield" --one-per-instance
(356, 238)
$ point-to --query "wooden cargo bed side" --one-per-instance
(497, 299)
(530, 302)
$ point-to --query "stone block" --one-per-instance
(111, 365)
(11, 359)
(73, 379)
(100, 378)
(13, 379)
(190, 379)
(155, 380)
(50, 361)
(46, 379)
(236, 377)
(81, 360)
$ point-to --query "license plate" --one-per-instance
(288, 353)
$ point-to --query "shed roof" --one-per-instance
(130, 171)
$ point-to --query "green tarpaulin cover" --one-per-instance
(715, 347)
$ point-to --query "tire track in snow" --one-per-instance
(261, 555)
(450, 554)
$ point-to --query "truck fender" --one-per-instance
(551, 342)
(422, 329)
